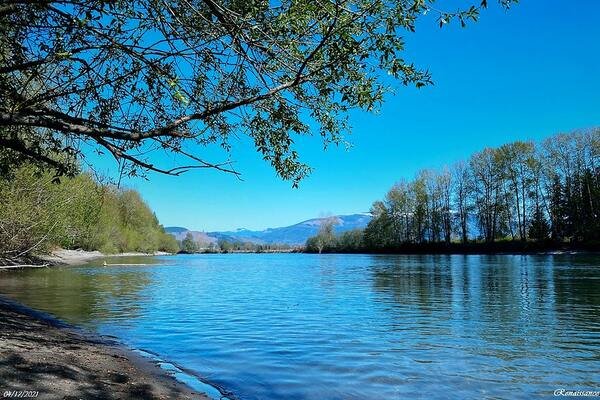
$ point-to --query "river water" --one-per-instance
(295, 326)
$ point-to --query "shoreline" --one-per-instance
(64, 257)
(460, 253)
(473, 248)
(42, 354)
(78, 257)
(67, 258)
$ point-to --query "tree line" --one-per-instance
(189, 245)
(38, 212)
(522, 192)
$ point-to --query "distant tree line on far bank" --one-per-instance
(190, 246)
(522, 195)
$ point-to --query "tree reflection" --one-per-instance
(422, 281)
(82, 295)
(502, 299)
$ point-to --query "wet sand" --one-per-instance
(42, 355)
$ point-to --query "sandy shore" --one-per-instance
(58, 362)
(72, 257)
(75, 257)
(65, 257)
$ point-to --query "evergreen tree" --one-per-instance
(539, 229)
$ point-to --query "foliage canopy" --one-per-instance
(135, 77)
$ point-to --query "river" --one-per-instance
(326, 327)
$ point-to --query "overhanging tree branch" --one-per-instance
(124, 74)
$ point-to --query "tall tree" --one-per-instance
(379, 233)
(399, 203)
(462, 189)
(420, 212)
(325, 238)
(444, 188)
(487, 191)
(516, 162)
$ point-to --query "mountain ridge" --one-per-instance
(294, 235)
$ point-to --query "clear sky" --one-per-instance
(523, 74)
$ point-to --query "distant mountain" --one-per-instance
(293, 235)
(180, 233)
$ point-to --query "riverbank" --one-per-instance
(76, 257)
(270, 251)
(500, 247)
(66, 257)
(44, 356)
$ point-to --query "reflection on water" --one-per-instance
(83, 295)
(289, 326)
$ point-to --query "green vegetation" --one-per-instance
(38, 212)
(135, 78)
(519, 196)
(325, 238)
(189, 245)
(226, 246)
(326, 241)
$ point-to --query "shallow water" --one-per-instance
(293, 326)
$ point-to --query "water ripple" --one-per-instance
(345, 326)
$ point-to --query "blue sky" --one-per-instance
(523, 74)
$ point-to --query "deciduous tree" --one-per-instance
(133, 78)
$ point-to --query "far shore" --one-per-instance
(64, 257)
(44, 358)
(473, 248)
